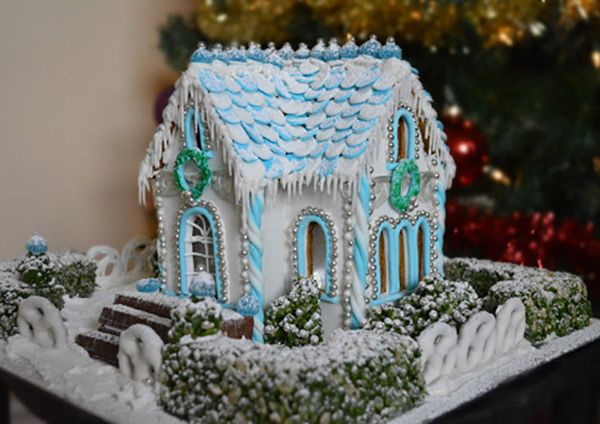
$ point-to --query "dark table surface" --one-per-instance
(564, 390)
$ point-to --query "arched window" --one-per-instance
(383, 265)
(423, 248)
(403, 262)
(199, 248)
(404, 128)
(194, 130)
(314, 242)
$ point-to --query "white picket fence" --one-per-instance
(483, 335)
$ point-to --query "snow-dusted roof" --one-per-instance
(294, 117)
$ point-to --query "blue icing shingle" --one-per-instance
(360, 127)
(283, 132)
(267, 132)
(252, 133)
(341, 135)
(360, 96)
(281, 88)
(310, 134)
(329, 122)
(296, 120)
(262, 151)
(238, 100)
(238, 134)
(368, 78)
(262, 116)
(246, 82)
(344, 123)
(229, 116)
(380, 97)
(273, 168)
(327, 168)
(211, 82)
(275, 148)
(351, 111)
(315, 119)
(312, 94)
(342, 96)
(354, 152)
(221, 100)
(318, 107)
(245, 154)
(319, 150)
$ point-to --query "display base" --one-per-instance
(80, 389)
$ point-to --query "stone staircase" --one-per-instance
(153, 310)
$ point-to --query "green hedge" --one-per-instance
(196, 317)
(77, 274)
(433, 300)
(356, 376)
(555, 302)
(47, 275)
(12, 292)
(295, 319)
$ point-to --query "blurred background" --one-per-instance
(517, 83)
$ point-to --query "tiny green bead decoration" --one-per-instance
(399, 200)
(201, 160)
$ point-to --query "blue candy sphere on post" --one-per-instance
(36, 245)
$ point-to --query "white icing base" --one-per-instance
(103, 390)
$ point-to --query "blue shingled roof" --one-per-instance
(295, 111)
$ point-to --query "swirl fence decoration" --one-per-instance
(133, 261)
(484, 335)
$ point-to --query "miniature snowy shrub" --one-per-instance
(434, 300)
(355, 376)
(196, 317)
(77, 274)
(481, 274)
(555, 303)
(12, 292)
(39, 273)
(295, 319)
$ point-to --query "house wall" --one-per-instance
(278, 220)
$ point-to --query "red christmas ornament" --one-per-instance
(468, 148)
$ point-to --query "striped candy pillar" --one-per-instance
(360, 256)
(256, 204)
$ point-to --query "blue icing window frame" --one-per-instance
(403, 114)
(191, 141)
(412, 253)
(301, 239)
(205, 212)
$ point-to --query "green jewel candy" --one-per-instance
(399, 200)
(200, 159)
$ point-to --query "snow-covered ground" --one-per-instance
(102, 390)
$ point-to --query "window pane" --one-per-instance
(402, 241)
(316, 254)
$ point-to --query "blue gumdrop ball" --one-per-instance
(148, 285)
(36, 245)
(248, 305)
(203, 285)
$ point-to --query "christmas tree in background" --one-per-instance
(518, 86)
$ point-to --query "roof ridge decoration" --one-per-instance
(294, 117)
(270, 54)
